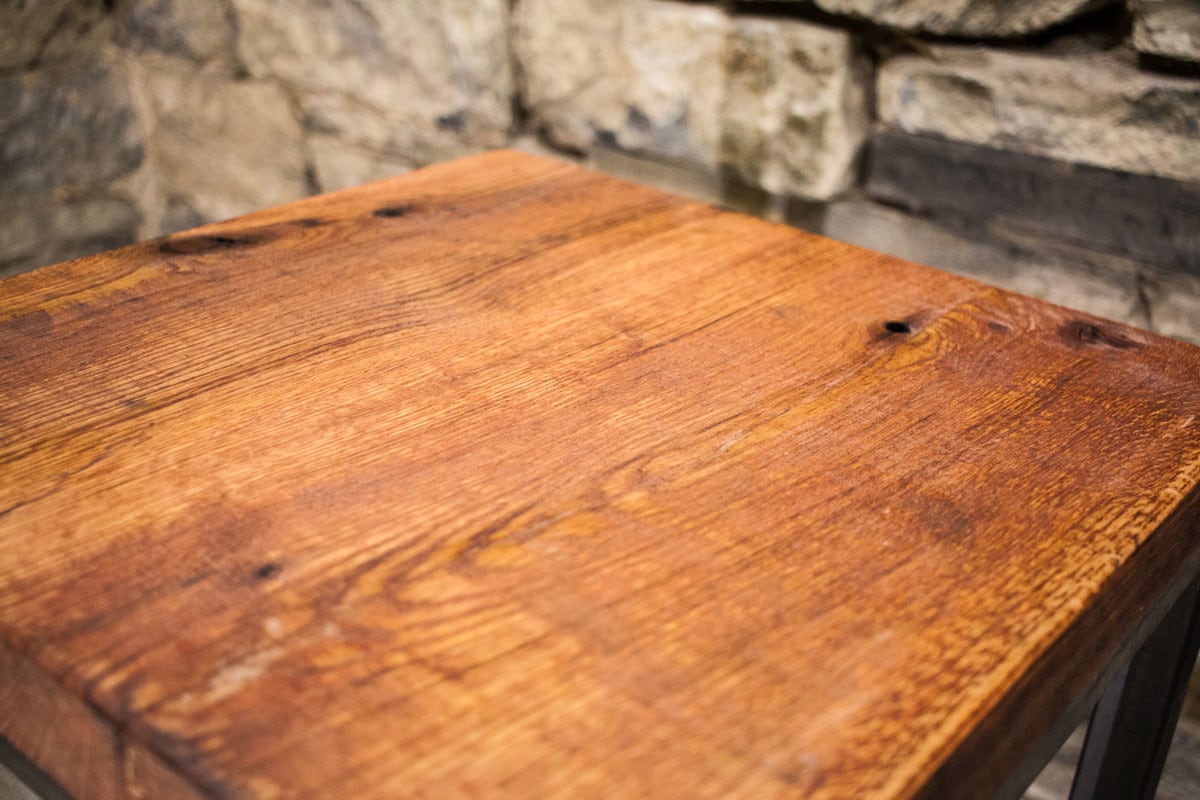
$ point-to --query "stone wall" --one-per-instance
(1051, 146)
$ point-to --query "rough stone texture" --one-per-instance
(1109, 290)
(1168, 28)
(1138, 216)
(69, 130)
(795, 113)
(12, 787)
(202, 30)
(219, 147)
(339, 165)
(351, 140)
(29, 28)
(67, 125)
(1174, 300)
(389, 75)
(975, 18)
(1091, 109)
(642, 76)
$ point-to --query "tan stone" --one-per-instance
(31, 29)
(198, 29)
(795, 114)
(364, 128)
(641, 76)
(441, 67)
(977, 18)
(69, 125)
(1092, 109)
(338, 165)
(22, 235)
(221, 147)
(1168, 28)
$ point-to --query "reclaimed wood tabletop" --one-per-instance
(508, 479)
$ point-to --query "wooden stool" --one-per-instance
(508, 479)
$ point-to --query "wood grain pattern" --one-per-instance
(504, 478)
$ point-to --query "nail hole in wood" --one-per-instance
(897, 326)
(268, 570)
(392, 212)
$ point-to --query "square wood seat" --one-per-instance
(507, 479)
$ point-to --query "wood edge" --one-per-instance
(1036, 715)
(77, 746)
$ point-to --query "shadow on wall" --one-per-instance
(1049, 146)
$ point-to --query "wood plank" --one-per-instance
(505, 478)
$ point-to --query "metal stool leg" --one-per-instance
(1131, 729)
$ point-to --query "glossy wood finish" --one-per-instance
(504, 478)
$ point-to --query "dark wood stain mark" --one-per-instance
(308, 222)
(1078, 332)
(394, 212)
(192, 580)
(34, 324)
(267, 571)
(200, 245)
(999, 327)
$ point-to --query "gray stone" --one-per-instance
(344, 129)
(67, 125)
(47, 229)
(338, 165)
(22, 237)
(1106, 287)
(220, 147)
(1168, 28)
(441, 68)
(975, 18)
(93, 223)
(1093, 109)
(1140, 216)
(795, 113)
(697, 184)
(202, 30)
(1174, 300)
(12, 788)
(31, 28)
(642, 76)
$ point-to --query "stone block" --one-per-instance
(1174, 301)
(642, 76)
(1087, 109)
(1169, 28)
(443, 67)
(69, 130)
(973, 18)
(67, 125)
(1139, 216)
(219, 146)
(346, 135)
(93, 223)
(339, 165)
(795, 113)
(201, 30)
(31, 28)
(1105, 287)
(22, 237)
